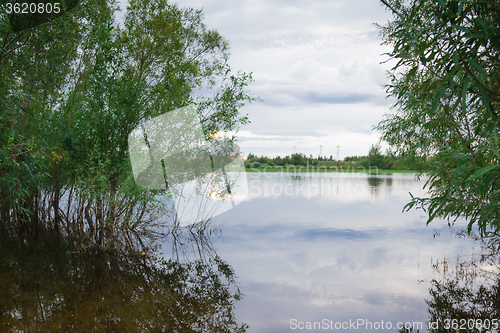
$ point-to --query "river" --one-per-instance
(337, 247)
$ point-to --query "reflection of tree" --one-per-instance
(388, 181)
(47, 288)
(194, 239)
(374, 181)
(468, 293)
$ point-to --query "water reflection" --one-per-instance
(374, 182)
(44, 287)
(346, 187)
(307, 247)
(323, 247)
(191, 242)
(465, 294)
(388, 181)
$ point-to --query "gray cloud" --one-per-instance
(312, 97)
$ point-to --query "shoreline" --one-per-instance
(303, 169)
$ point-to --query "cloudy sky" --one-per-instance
(316, 65)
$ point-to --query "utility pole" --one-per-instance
(294, 149)
(338, 158)
(320, 151)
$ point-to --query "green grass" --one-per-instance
(315, 170)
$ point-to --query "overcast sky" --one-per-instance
(316, 65)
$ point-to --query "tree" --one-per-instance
(447, 86)
(375, 157)
(17, 26)
(72, 94)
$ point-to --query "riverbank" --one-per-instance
(325, 169)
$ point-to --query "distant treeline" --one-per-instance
(374, 159)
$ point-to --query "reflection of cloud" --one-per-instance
(369, 275)
(377, 258)
(313, 234)
(302, 258)
(338, 187)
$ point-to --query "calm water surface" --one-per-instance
(300, 247)
(332, 246)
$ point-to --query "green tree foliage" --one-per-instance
(71, 94)
(375, 157)
(17, 29)
(447, 85)
(297, 159)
